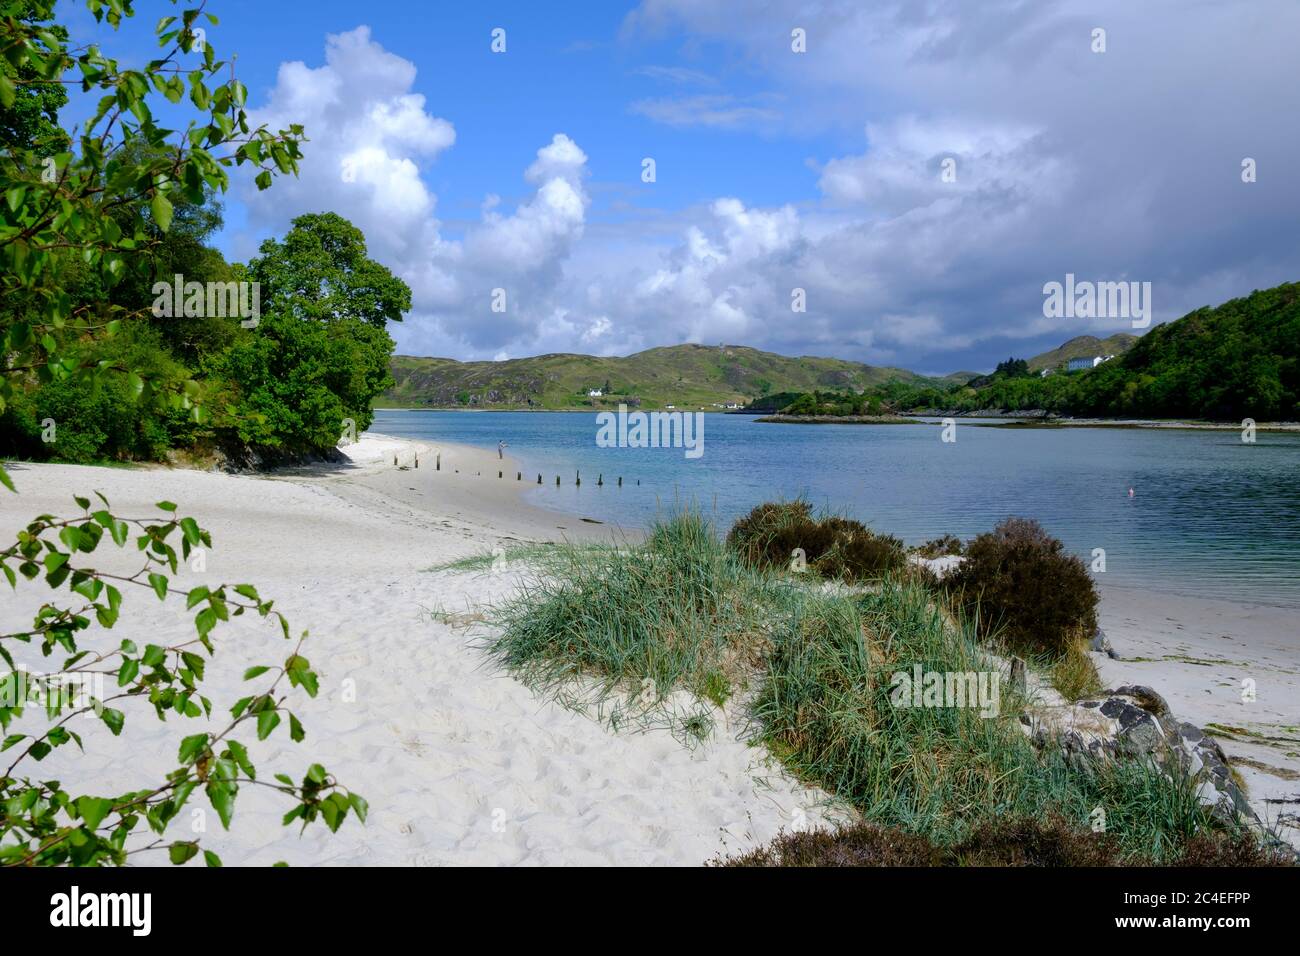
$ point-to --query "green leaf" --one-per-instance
(255, 672)
(92, 810)
(159, 583)
(222, 796)
(162, 211)
(191, 529)
(114, 719)
(211, 859)
(182, 852)
(191, 747)
(267, 721)
(359, 806)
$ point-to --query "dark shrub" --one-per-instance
(942, 547)
(833, 547)
(1018, 581)
(862, 844)
(1242, 849)
(1015, 841)
(1026, 841)
(856, 553)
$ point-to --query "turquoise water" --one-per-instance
(1210, 515)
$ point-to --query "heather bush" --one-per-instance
(944, 546)
(1013, 841)
(772, 534)
(1018, 582)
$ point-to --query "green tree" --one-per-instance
(92, 218)
(321, 354)
(321, 272)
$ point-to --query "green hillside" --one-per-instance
(1083, 346)
(688, 376)
(1237, 360)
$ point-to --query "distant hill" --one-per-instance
(1234, 361)
(688, 376)
(1083, 346)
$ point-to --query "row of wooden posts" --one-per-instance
(519, 475)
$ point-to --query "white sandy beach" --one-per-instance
(460, 763)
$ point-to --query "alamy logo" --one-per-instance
(974, 689)
(179, 299)
(651, 430)
(1098, 300)
(103, 909)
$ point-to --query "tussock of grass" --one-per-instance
(682, 611)
(679, 611)
(532, 553)
(1073, 674)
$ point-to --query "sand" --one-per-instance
(1231, 669)
(460, 763)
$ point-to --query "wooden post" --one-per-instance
(394, 459)
(498, 474)
(1018, 674)
(539, 477)
(437, 465)
(417, 459)
(620, 481)
(519, 476)
(577, 478)
(557, 481)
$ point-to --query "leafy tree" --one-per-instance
(105, 202)
(1013, 368)
(29, 114)
(320, 355)
(321, 272)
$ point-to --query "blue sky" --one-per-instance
(471, 171)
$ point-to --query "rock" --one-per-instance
(1101, 644)
(1135, 723)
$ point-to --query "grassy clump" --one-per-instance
(683, 611)
(532, 553)
(825, 708)
(677, 611)
(1074, 674)
(771, 535)
(1019, 841)
(1018, 582)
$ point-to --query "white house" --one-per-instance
(1091, 361)
(595, 393)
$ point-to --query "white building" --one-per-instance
(1087, 362)
(595, 393)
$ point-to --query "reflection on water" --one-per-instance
(1210, 515)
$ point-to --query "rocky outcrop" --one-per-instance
(1135, 723)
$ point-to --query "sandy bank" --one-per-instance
(460, 763)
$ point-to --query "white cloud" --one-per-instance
(370, 138)
(1122, 164)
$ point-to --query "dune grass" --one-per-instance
(682, 612)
